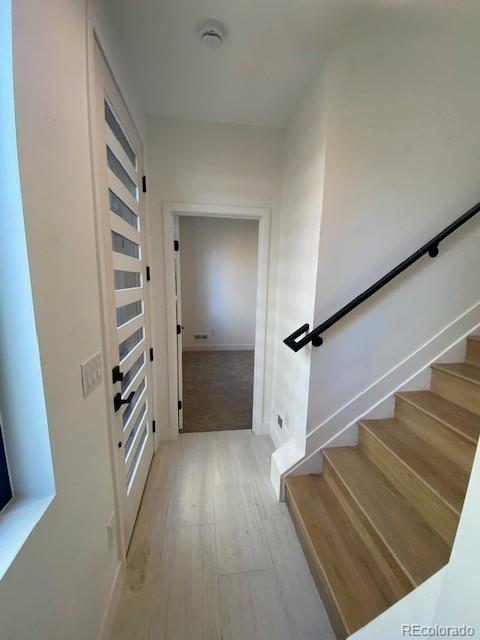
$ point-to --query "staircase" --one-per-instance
(382, 516)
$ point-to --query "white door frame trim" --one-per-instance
(171, 209)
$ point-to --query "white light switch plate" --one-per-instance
(91, 374)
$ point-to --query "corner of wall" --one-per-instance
(106, 625)
(283, 459)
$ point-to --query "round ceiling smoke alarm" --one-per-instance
(211, 34)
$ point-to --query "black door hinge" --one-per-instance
(151, 354)
(147, 271)
(176, 245)
(154, 426)
(179, 405)
(117, 375)
(179, 329)
(144, 184)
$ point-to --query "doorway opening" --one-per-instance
(216, 271)
(216, 297)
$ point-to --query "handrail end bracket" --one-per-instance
(295, 344)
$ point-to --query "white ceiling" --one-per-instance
(272, 50)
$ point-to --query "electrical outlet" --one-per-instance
(91, 374)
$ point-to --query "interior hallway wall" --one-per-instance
(58, 585)
(114, 51)
(400, 109)
(209, 163)
(302, 195)
(219, 282)
(403, 147)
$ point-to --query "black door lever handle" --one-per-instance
(117, 400)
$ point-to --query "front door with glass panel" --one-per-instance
(121, 239)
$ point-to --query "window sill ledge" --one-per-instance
(17, 521)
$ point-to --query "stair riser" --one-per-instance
(318, 574)
(473, 352)
(455, 389)
(399, 581)
(438, 515)
(449, 441)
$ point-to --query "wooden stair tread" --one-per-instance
(452, 415)
(415, 546)
(472, 354)
(446, 479)
(342, 562)
(382, 517)
(463, 370)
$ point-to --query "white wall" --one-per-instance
(198, 162)
(403, 146)
(58, 585)
(219, 282)
(458, 601)
(400, 107)
(103, 19)
(298, 255)
(400, 162)
(380, 156)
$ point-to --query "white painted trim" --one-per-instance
(18, 519)
(340, 428)
(170, 210)
(24, 417)
(264, 430)
(219, 347)
(398, 376)
(282, 460)
(111, 606)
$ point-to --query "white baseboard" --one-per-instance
(283, 459)
(105, 631)
(340, 428)
(261, 429)
(219, 347)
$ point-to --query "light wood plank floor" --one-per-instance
(214, 556)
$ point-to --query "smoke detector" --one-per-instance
(211, 34)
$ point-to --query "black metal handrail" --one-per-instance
(430, 247)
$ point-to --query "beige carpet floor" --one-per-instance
(217, 390)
